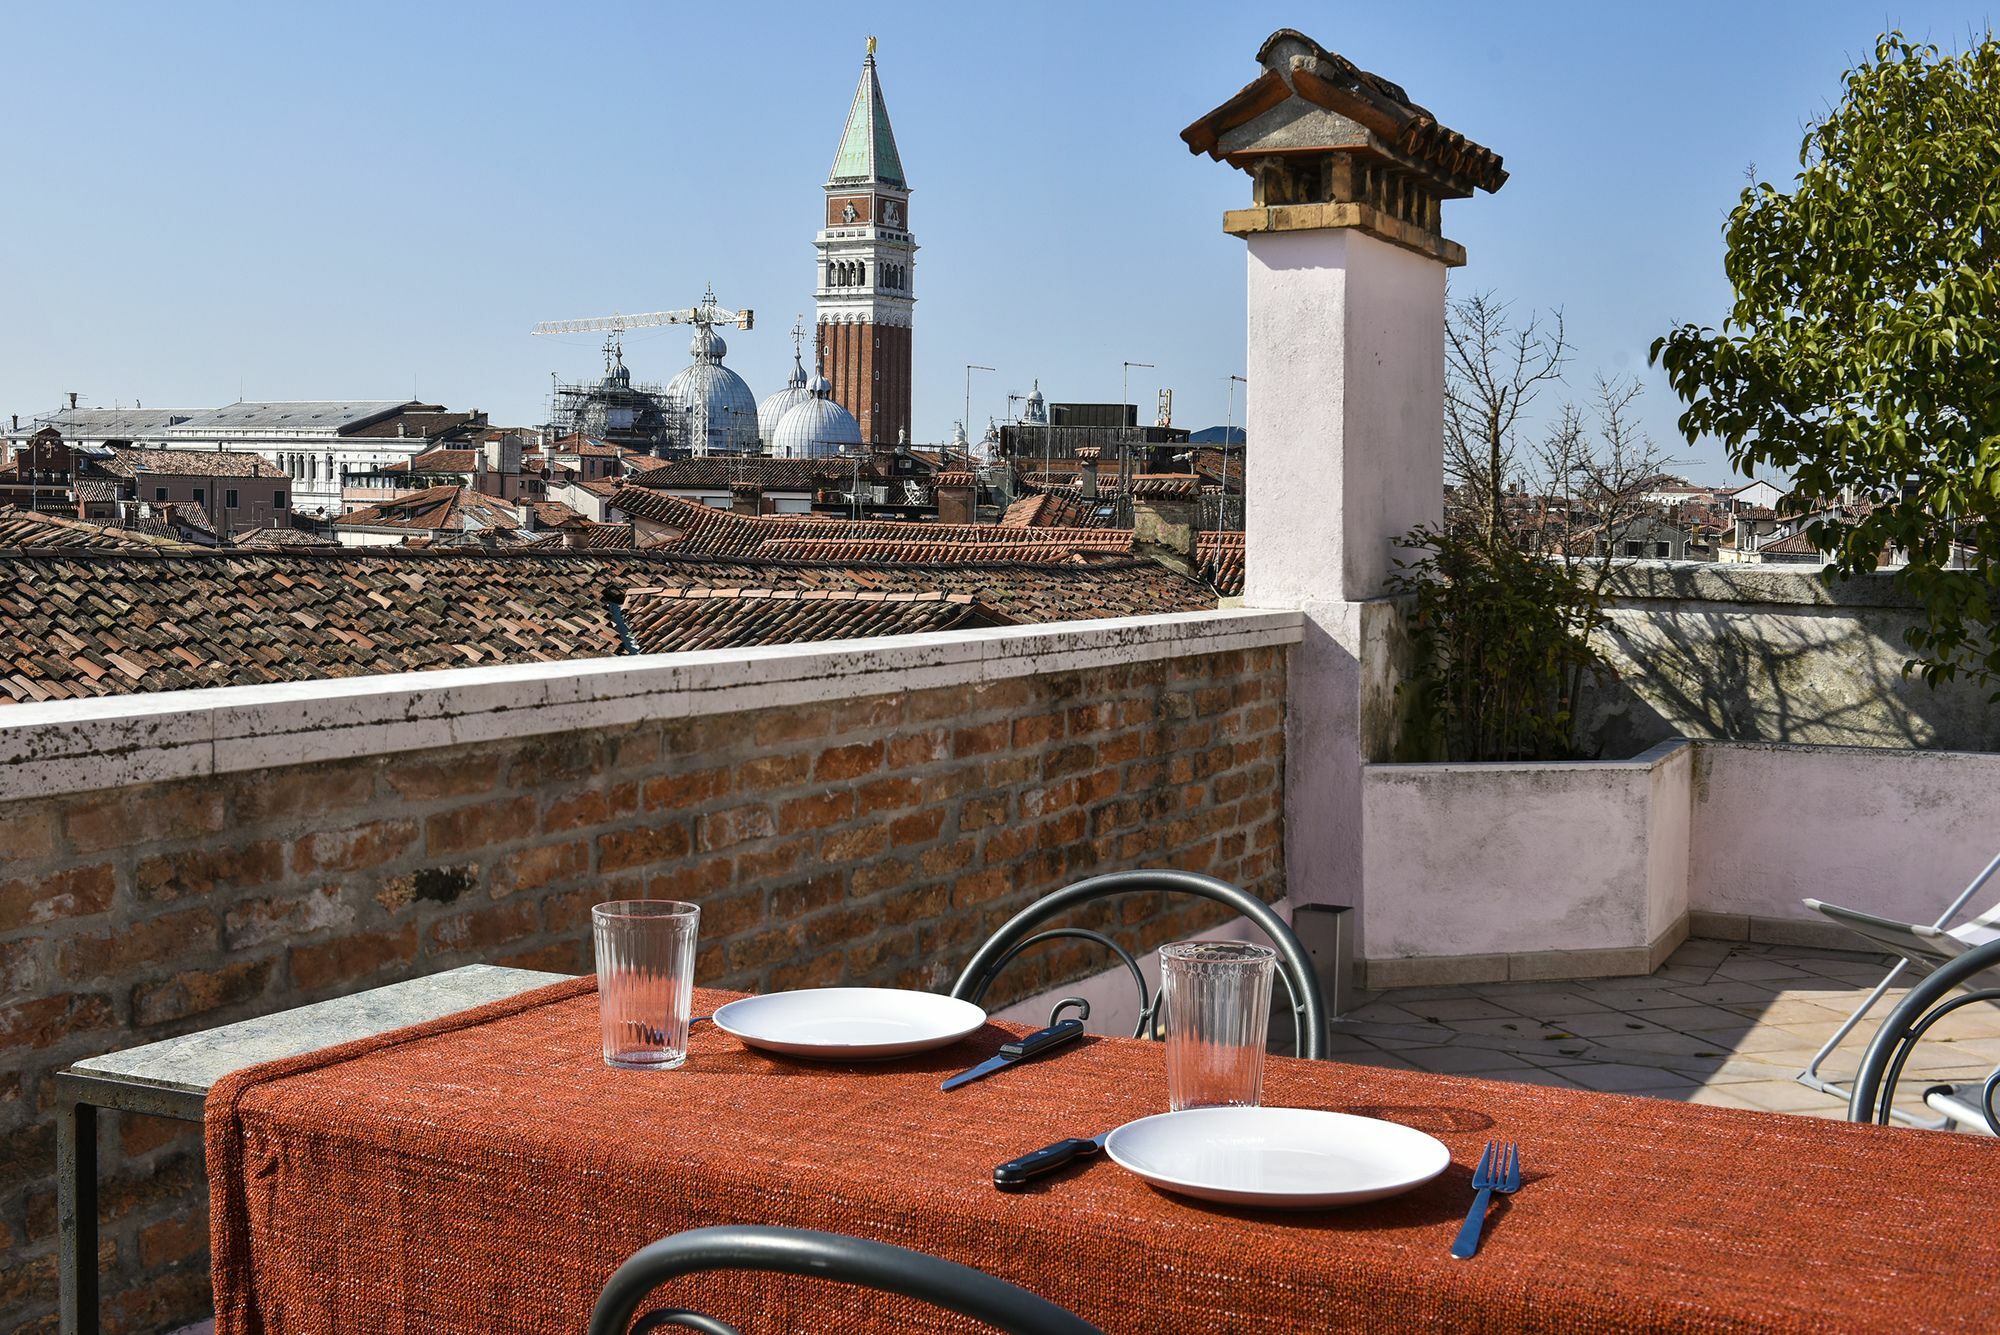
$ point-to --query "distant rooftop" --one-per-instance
(76, 623)
(93, 424)
(315, 416)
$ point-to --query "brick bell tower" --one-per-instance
(867, 264)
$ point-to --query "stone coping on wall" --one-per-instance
(77, 746)
(1754, 582)
(1650, 758)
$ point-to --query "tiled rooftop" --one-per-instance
(78, 623)
(447, 508)
(674, 620)
(189, 463)
(24, 528)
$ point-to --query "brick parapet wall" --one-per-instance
(872, 841)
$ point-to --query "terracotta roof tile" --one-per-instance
(26, 529)
(189, 463)
(158, 620)
(672, 620)
(450, 509)
(1174, 486)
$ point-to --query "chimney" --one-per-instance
(573, 536)
(746, 498)
(957, 494)
(72, 399)
(1086, 461)
(1166, 509)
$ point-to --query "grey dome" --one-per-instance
(710, 409)
(773, 410)
(815, 429)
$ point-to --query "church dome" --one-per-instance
(710, 409)
(816, 428)
(773, 410)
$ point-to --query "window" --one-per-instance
(1635, 549)
(277, 500)
(1662, 550)
(229, 499)
(201, 495)
(159, 493)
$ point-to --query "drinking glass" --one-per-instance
(1218, 1000)
(645, 980)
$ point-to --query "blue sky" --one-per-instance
(355, 200)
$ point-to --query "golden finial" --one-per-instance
(871, 44)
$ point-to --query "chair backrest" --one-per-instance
(1922, 1006)
(1019, 933)
(798, 1251)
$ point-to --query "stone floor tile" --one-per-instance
(1868, 972)
(1428, 1035)
(1536, 1077)
(1733, 992)
(1663, 1045)
(1608, 1024)
(1700, 952)
(1508, 1022)
(1677, 975)
(1448, 1009)
(1787, 1096)
(1786, 1012)
(1618, 1078)
(1713, 1096)
(1381, 1012)
(1758, 969)
(1685, 1017)
(1545, 1004)
(1624, 995)
(1456, 1060)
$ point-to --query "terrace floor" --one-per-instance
(1722, 1022)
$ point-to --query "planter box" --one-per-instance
(1485, 873)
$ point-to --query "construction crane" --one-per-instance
(706, 314)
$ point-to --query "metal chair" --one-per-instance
(797, 1251)
(1019, 934)
(1921, 1007)
(1919, 949)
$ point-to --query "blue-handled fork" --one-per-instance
(1499, 1170)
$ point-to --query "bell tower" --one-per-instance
(867, 267)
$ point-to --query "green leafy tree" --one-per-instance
(1862, 351)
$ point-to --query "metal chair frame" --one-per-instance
(798, 1251)
(1882, 1065)
(1811, 1078)
(1018, 934)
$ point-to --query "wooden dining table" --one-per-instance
(487, 1171)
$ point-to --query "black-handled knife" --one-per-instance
(1020, 1050)
(1018, 1173)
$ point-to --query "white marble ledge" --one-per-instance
(85, 745)
(193, 1063)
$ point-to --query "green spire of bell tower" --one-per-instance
(868, 145)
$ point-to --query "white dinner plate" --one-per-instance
(1290, 1158)
(849, 1023)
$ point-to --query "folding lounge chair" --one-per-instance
(1919, 949)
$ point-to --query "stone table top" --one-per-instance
(194, 1062)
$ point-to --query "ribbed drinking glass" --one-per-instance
(1217, 996)
(645, 980)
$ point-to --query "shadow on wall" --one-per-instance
(1781, 657)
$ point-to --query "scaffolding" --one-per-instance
(614, 409)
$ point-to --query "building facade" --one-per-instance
(867, 268)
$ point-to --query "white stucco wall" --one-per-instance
(1896, 833)
(1345, 361)
(1527, 858)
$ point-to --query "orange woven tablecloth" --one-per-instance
(488, 1172)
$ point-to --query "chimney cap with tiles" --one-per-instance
(1328, 144)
